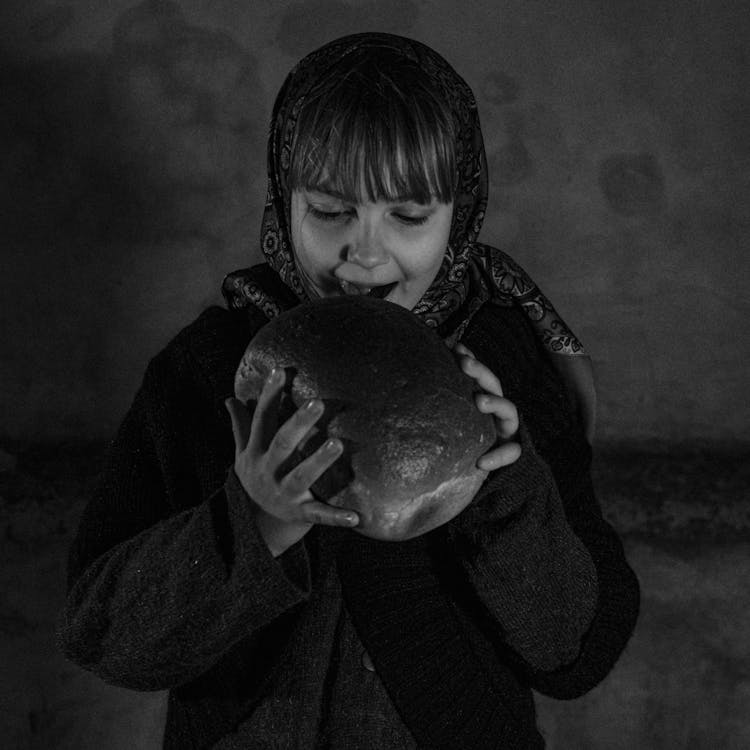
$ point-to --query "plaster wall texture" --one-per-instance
(132, 179)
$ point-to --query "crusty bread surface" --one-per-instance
(393, 394)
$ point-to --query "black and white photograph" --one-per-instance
(374, 375)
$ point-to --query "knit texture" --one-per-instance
(436, 680)
(171, 586)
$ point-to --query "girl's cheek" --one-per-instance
(319, 235)
(423, 258)
(313, 240)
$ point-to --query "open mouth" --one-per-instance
(375, 291)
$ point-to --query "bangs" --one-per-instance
(362, 136)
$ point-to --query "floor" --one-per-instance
(683, 682)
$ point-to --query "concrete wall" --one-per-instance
(132, 177)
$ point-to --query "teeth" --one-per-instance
(350, 288)
(381, 292)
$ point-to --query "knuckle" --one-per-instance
(314, 515)
(302, 421)
(264, 492)
(487, 402)
(283, 442)
(297, 479)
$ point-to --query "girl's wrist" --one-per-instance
(278, 535)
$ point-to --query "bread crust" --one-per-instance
(396, 398)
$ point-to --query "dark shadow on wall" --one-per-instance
(124, 175)
(158, 138)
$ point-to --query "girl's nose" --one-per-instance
(367, 251)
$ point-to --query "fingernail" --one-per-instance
(312, 405)
(352, 519)
(273, 376)
(333, 445)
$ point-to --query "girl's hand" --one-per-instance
(286, 509)
(492, 402)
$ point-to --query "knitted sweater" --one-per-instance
(172, 587)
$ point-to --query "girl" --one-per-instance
(200, 570)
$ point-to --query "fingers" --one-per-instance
(486, 379)
(286, 508)
(504, 455)
(492, 401)
(464, 350)
(264, 421)
(293, 431)
(302, 476)
(241, 422)
(504, 411)
(506, 425)
(303, 507)
(316, 512)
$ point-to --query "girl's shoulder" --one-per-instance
(205, 353)
(503, 338)
(504, 333)
(214, 325)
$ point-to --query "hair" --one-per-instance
(375, 127)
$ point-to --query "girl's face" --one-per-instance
(393, 249)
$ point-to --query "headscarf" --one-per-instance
(471, 273)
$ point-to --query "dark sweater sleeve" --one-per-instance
(551, 573)
(533, 574)
(617, 605)
(539, 554)
(157, 594)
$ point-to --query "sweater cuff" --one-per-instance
(505, 492)
(530, 570)
(289, 573)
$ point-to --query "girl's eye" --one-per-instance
(318, 213)
(327, 215)
(411, 221)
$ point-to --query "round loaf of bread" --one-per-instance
(396, 398)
